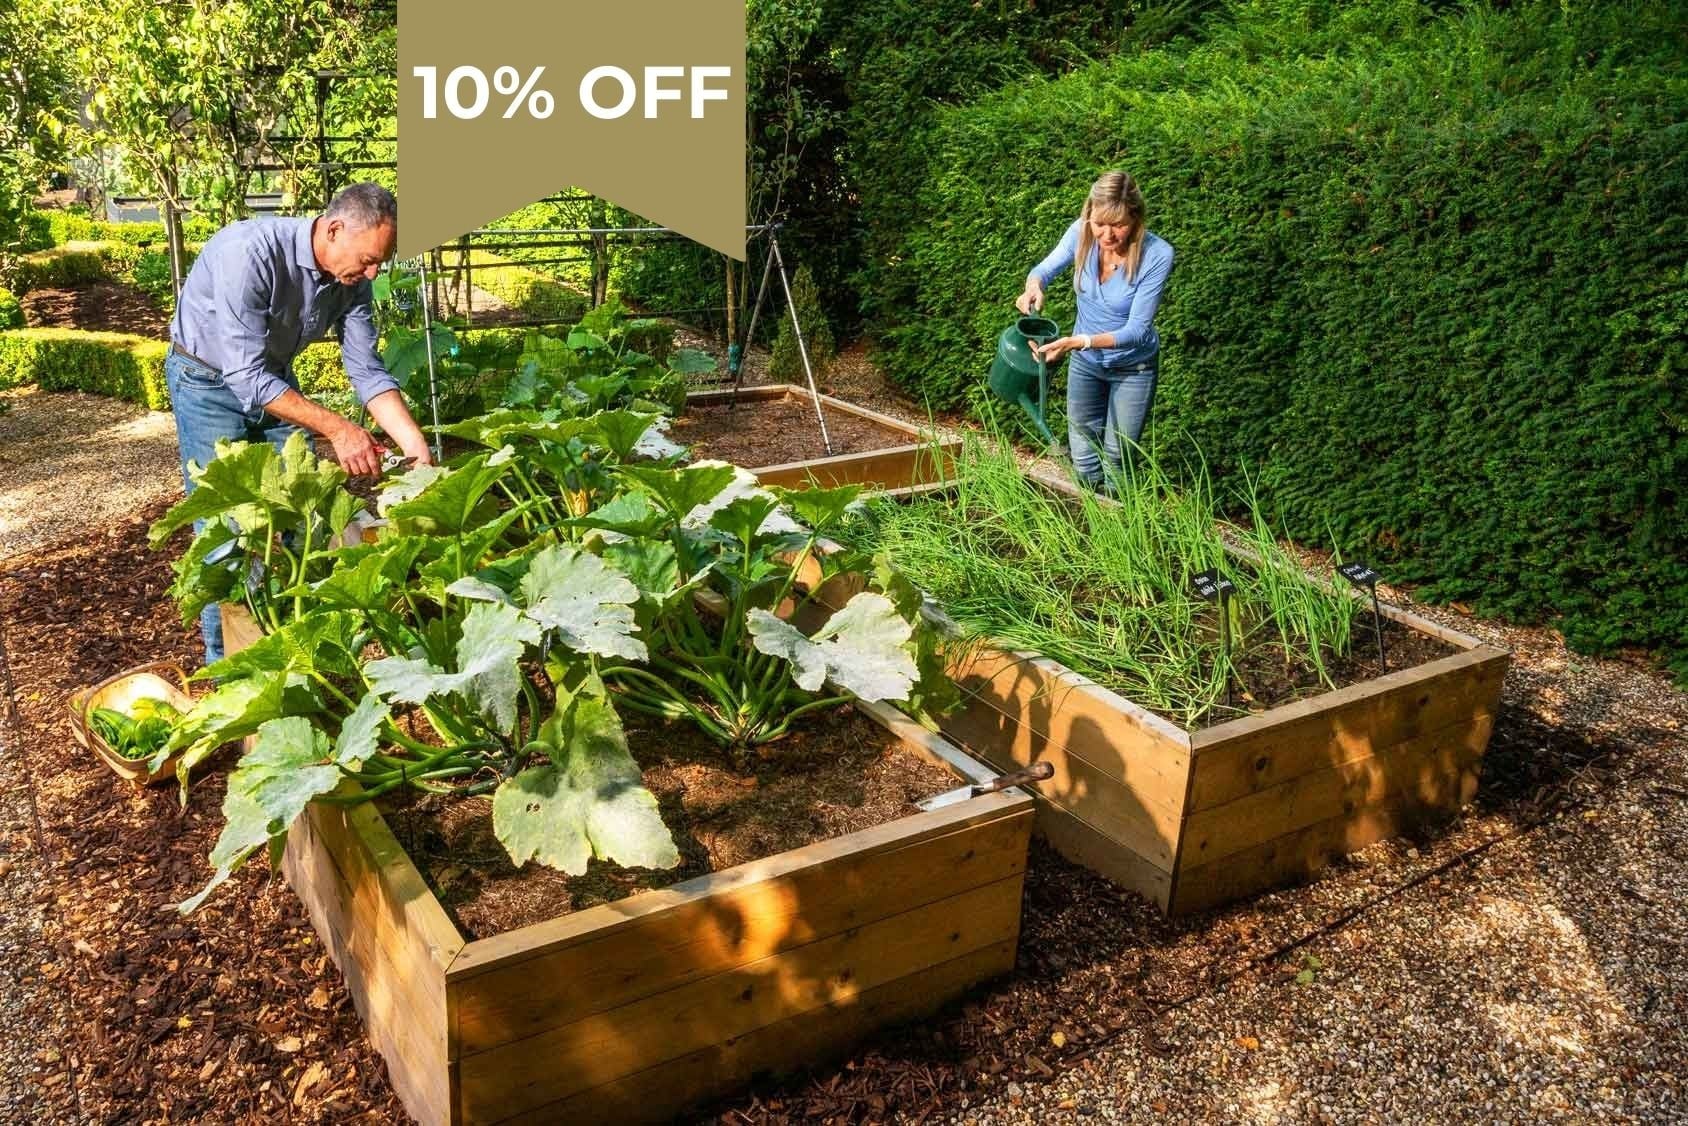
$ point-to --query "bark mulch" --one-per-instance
(96, 307)
(233, 1014)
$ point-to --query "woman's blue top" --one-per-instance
(1124, 308)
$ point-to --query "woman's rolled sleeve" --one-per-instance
(1059, 259)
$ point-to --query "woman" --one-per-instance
(1121, 270)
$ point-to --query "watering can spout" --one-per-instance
(1018, 371)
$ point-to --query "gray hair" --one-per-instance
(362, 206)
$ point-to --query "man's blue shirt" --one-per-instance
(255, 298)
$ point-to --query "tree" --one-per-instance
(35, 100)
(184, 90)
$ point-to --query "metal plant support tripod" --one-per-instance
(736, 353)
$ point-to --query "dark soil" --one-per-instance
(759, 434)
(96, 307)
(835, 776)
(1268, 682)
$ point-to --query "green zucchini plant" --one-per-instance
(271, 519)
(597, 365)
(515, 598)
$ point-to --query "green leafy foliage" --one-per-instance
(469, 648)
(105, 363)
(786, 362)
(1432, 283)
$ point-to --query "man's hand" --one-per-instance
(389, 411)
(354, 447)
(356, 450)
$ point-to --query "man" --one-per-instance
(260, 291)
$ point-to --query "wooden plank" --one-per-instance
(409, 904)
(1035, 684)
(1424, 625)
(1425, 769)
(1089, 848)
(1258, 752)
(1119, 767)
(561, 1062)
(615, 960)
(761, 393)
(406, 1024)
(1135, 800)
(662, 1092)
(879, 417)
(889, 468)
(240, 629)
(1302, 853)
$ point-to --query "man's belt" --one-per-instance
(187, 355)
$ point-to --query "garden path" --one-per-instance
(71, 461)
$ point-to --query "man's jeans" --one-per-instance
(206, 410)
(1105, 410)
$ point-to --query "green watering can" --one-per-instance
(1016, 371)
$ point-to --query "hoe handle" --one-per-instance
(1036, 772)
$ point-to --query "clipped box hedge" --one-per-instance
(148, 269)
(67, 359)
(73, 263)
(527, 290)
(55, 228)
(1431, 286)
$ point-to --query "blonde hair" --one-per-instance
(1114, 198)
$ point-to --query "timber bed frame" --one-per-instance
(911, 462)
(1192, 820)
(638, 1009)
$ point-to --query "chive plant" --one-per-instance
(1104, 588)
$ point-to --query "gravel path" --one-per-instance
(69, 461)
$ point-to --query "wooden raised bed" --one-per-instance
(1195, 819)
(911, 462)
(636, 1009)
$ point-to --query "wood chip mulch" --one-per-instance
(96, 307)
(234, 1014)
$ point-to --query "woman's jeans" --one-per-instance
(206, 411)
(1106, 409)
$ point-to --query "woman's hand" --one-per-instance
(1055, 349)
(1032, 298)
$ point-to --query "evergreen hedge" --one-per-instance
(55, 228)
(67, 359)
(1432, 283)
